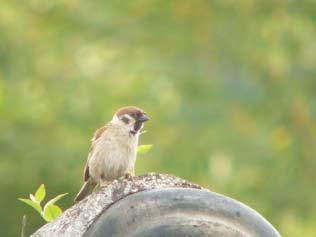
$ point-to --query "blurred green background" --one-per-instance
(229, 85)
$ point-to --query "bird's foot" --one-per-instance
(128, 176)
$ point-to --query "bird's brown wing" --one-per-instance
(86, 174)
(98, 133)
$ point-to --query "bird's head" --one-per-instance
(131, 117)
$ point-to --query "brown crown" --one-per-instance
(129, 110)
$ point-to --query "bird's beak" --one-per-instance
(143, 118)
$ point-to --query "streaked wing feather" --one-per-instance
(86, 174)
(98, 133)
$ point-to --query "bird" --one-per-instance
(113, 149)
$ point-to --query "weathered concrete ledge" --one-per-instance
(158, 205)
(76, 220)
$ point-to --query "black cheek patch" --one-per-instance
(137, 126)
(125, 119)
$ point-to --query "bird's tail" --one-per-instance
(86, 188)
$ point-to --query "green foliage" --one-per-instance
(142, 149)
(33, 204)
(40, 193)
(50, 210)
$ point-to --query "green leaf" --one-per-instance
(55, 199)
(29, 202)
(51, 212)
(40, 193)
(142, 149)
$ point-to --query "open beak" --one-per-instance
(143, 118)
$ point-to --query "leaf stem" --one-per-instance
(23, 226)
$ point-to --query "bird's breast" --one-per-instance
(113, 156)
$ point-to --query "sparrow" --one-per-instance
(113, 150)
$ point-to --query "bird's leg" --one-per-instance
(130, 173)
(128, 176)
